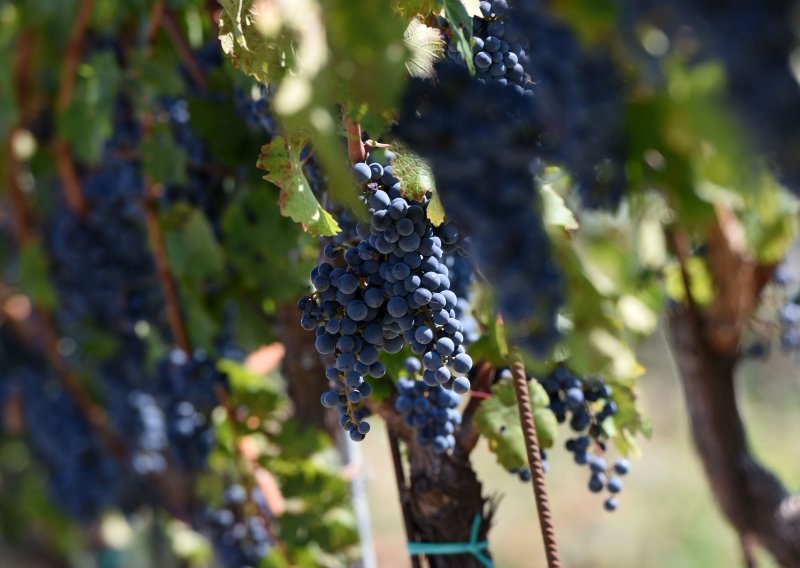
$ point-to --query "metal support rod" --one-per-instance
(535, 463)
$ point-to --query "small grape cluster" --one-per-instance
(151, 441)
(430, 410)
(786, 279)
(241, 540)
(186, 388)
(499, 49)
(393, 290)
(575, 400)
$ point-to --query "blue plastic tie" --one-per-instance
(473, 547)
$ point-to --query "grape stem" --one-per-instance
(66, 87)
(356, 151)
(184, 51)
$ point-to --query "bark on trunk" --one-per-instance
(304, 371)
(443, 497)
(752, 498)
(705, 343)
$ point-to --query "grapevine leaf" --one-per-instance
(414, 173)
(247, 46)
(492, 345)
(461, 24)
(259, 394)
(200, 324)
(636, 315)
(425, 46)
(163, 159)
(8, 103)
(435, 210)
(497, 419)
(700, 279)
(34, 278)
(281, 159)
(192, 249)
(260, 243)
(87, 123)
(156, 71)
(556, 212)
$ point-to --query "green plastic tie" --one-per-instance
(473, 547)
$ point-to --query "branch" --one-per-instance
(66, 85)
(70, 184)
(184, 51)
(156, 18)
(163, 271)
(705, 344)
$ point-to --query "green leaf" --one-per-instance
(8, 102)
(34, 279)
(281, 159)
(260, 243)
(700, 281)
(425, 46)
(414, 173)
(156, 71)
(192, 249)
(492, 345)
(88, 122)
(497, 419)
(163, 159)
(461, 25)
(249, 49)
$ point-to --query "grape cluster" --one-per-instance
(576, 401)
(186, 386)
(100, 263)
(83, 477)
(577, 90)
(786, 279)
(393, 290)
(482, 140)
(253, 106)
(429, 410)
(756, 42)
(240, 540)
(499, 48)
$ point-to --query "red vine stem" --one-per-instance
(184, 51)
(72, 58)
(70, 184)
(163, 270)
(535, 462)
(66, 86)
(156, 17)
